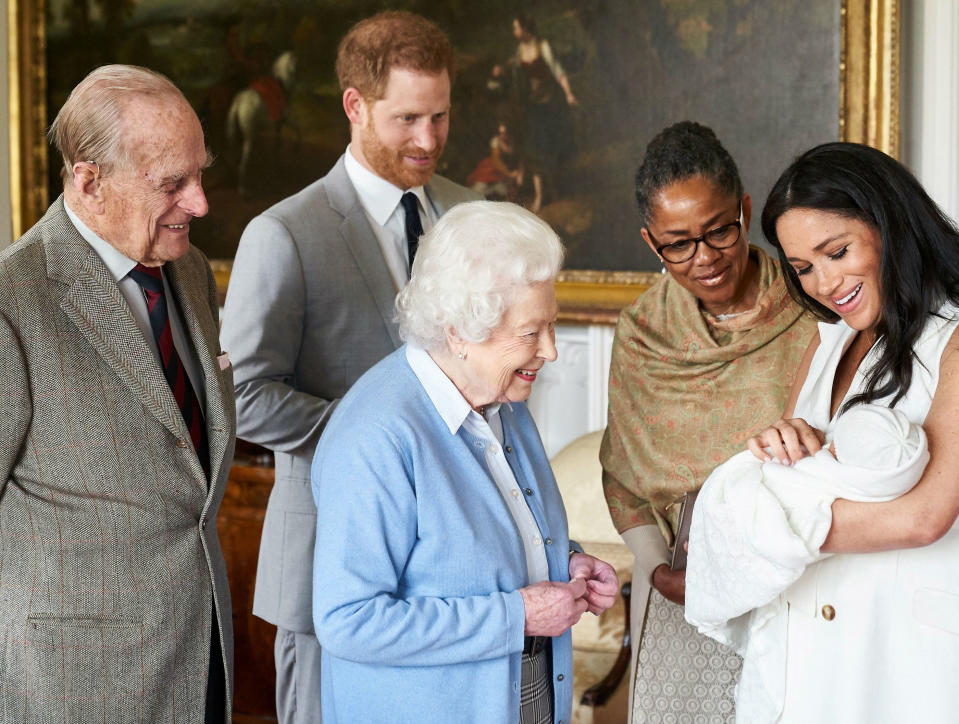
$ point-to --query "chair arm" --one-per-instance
(599, 693)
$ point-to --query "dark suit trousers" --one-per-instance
(216, 682)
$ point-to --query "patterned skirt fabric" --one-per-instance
(536, 694)
(682, 677)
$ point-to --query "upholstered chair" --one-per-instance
(600, 644)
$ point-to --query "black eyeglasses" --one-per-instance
(722, 237)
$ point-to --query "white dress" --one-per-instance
(874, 637)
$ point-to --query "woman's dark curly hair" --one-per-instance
(684, 150)
(919, 254)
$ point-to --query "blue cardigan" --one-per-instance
(418, 562)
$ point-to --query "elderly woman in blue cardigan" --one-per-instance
(444, 580)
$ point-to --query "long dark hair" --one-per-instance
(918, 258)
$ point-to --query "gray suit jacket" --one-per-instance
(109, 554)
(309, 310)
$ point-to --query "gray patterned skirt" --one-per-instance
(536, 692)
(682, 677)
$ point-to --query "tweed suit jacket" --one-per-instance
(109, 553)
(308, 311)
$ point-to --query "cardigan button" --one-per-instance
(182, 444)
(560, 677)
(529, 491)
(828, 612)
(548, 541)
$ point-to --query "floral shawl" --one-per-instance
(687, 390)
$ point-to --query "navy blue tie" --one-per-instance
(414, 229)
(151, 280)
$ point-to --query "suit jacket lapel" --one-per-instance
(362, 242)
(435, 195)
(94, 303)
(190, 287)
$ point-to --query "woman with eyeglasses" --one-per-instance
(700, 362)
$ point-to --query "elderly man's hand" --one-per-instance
(602, 583)
(551, 607)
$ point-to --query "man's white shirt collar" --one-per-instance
(118, 264)
(448, 401)
(378, 196)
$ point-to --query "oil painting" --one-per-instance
(553, 103)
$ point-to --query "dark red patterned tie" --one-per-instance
(151, 280)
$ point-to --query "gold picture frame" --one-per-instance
(869, 98)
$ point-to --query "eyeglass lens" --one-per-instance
(721, 237)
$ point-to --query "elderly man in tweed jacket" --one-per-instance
(116, 427)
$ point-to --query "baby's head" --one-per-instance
(875, 437)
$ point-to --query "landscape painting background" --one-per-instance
(764, 75)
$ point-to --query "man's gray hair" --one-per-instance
(468, 269)
(89, 126)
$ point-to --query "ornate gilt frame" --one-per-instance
(869, 96)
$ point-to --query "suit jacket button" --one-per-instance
(181, 443)
(828, 612)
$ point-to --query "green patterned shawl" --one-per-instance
(686, 391)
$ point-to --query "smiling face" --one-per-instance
(145, 209)
(721, 279)
(837, 261)
(401, 137)
(504, 367)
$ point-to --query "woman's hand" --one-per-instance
(786, 440)
(670, 583)
(551, 607)
(602, 583)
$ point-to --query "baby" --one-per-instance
(882, 455)
(757, 525)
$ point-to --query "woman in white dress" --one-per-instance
(873, 630)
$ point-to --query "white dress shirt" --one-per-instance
(456, 412)
(120, 267)
(381, 202)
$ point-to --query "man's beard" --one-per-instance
(388, 163)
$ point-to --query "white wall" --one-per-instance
(930, 85)
(569, 397)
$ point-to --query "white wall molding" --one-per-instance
(570, 396)
(931, 98)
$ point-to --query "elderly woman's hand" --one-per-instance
(551, 607)
(786, 440)
(602, 583)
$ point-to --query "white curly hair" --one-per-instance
(468, 268)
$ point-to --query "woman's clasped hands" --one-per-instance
(552, 607)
